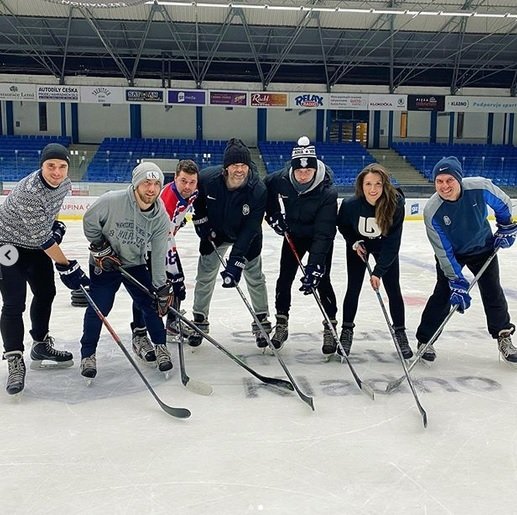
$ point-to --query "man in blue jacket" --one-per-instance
(228, 212)
(457, 227)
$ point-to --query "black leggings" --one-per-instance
(34, 268)
(356, 268)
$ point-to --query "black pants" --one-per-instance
(356, 269)
(34, 268)
(288, 269)
(492, 296)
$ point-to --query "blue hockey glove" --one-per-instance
(58, 231)
(459, 294)
(163, 298)
(232, 273)
(277, 222)
(178, 285)
(72, 275)
(505, 236)
(312, 278)
(104, 257)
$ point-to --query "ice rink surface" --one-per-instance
(253, 449)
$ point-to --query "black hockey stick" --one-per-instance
(268, 380)
(191, 384)
(304, 397)
(392, 385)
(397, 346)
(175, 412)
(365, 387)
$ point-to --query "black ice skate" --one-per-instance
(259, 337)
(400, 335)
(89, 368)
(43, 355)
(142, 346)
(281, 331)
(506, 348)
(430, 354)
(329, 342)
(195, 339)
(173, 326)
(346, 338)
(163, 358)
(16, 372)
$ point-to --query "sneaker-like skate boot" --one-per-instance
(329, 342)
(346, 338)
(16, 372)
(506, 348)
(142, 346)
(429, 354)
(163, 358)
(400, 335)
(281, 331)
(89, 367)
(194, 339)
(173, 329)
(259, 337)
(43, 355)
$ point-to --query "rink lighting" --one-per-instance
(278, 7)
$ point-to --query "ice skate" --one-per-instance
(43, 355)
(405, 349)
(507, 351)
(16, 372)
(429, 355)
(163, 358)
(89, 369)
(329, 342)
(345, 339)
(195, 339)
(260, 341)
(281, 331)
(142, 346)
(173, 330)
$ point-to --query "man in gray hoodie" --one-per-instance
(121, 227)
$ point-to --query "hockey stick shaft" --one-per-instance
(305, 398)
(397, 347)
(175, 412)
(364, 387)
(392, 385)
(268, 380)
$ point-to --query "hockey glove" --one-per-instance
(459, 295)
(505, 236)
(72, 276)
(58, 231)
(203, 229)
(104, 257)
(277, 222)
(232, 273)
(164, 297)
(178, 285)
(312, 278)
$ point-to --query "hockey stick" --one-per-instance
(304, 397)
(175, 412)
(365, 387)
(191, 384)
(392, 385)
(268, 380)
(397, 346)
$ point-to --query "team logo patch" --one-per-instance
(446, 220)
(245, 209)
(303, 162)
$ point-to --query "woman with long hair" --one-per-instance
(371, 223)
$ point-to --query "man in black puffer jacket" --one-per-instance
(310, 199)
(229, 211)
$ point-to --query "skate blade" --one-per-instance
(150, 364)
(40, 364)
(16, 397)
(329, 357)
(88, 381)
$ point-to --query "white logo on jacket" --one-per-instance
(367, 226)
(245, 209)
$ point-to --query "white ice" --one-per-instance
(251, 449)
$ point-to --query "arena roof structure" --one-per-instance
(443, 43)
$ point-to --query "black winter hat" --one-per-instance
(304, 155)
(236, 152)
(54, 151)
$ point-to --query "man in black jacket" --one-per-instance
(229, 212)
(310, 201)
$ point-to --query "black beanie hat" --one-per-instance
(236, 152)
(304, 155)
(54, 151)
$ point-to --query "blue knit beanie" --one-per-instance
(449, 165)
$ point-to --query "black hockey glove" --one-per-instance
(312, 278)
(104, 257)
(277, 222)
(72, 275)
(232, 273)
(178, 285)
(203, 229)
(164, 296)
(58, 231)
